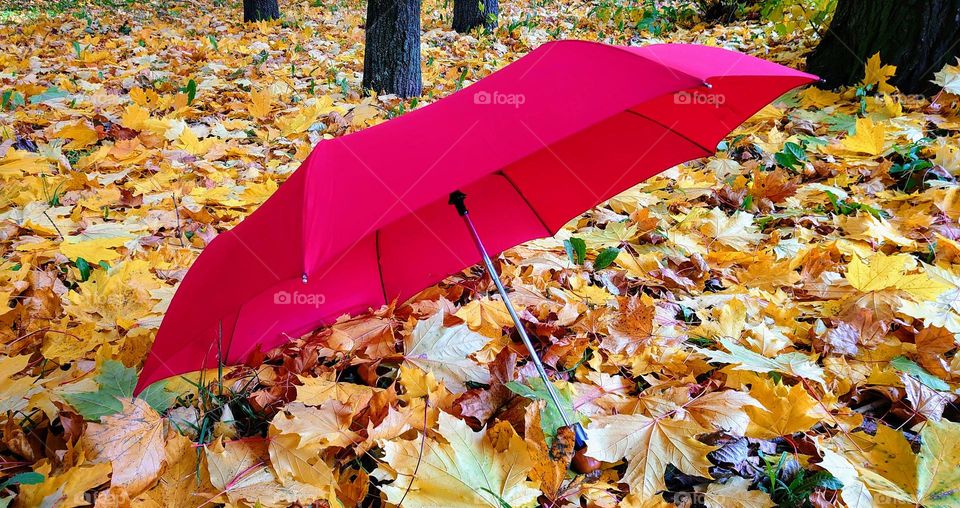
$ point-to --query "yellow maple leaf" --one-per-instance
(736, 493)
(888, 272)
(444, 351)
(13, 392)
(135, 116)
(241, 471)
(16, 163)
(65, 489)
(94, 251)
(304, 118)
(887, 467)
(649, 445)
(261, 102)
(178, 481)
(949, 78)
(80, 134)
(485, 316)
(189, 141)
(315, 391)
(737, 231)
(868, 138)
(875, 73)
(471, 469)
(316, 427)
(786, 410)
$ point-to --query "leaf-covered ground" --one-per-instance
(779, 324)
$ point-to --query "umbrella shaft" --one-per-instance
(516, 319)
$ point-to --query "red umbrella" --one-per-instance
(366, 218)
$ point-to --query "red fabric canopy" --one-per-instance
(365, 219)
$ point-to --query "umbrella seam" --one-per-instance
(671, 129)
(526, 201)
(652, 60)
(383, 287)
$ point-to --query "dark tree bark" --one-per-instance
(918, 36)
(260, 10)
(469, 14)
(391, 58)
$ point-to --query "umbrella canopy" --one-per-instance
(366, 220)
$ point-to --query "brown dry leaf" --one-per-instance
(373, 336)
(550, 463)
(633, 326)
(932, 342)
(929, 403)
(775, 185)
(481, 403)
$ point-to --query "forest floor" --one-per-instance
(780, 325)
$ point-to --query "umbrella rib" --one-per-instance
(671, 129)
(526, 201)
(383, 287)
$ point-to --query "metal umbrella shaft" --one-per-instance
(457, 199)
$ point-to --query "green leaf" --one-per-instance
(576, 249)
(842, 122)
(606, 257)
(117, 382)
(904, 364)
(27, 478)
(794, 363)
(790, 156)
(117, 379)
(84, 268)
(550, 419)
(11, 98)
(49, 94)
(94, 405)
(190, 90)
(158, 397)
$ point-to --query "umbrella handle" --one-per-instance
(457, 200)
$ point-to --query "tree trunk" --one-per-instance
(469, 14)
(391, 57)
(918, 36)
(260, 10)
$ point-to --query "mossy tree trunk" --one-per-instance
(391, 58)
(469, 14)
(260, 10)
(918, 36)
